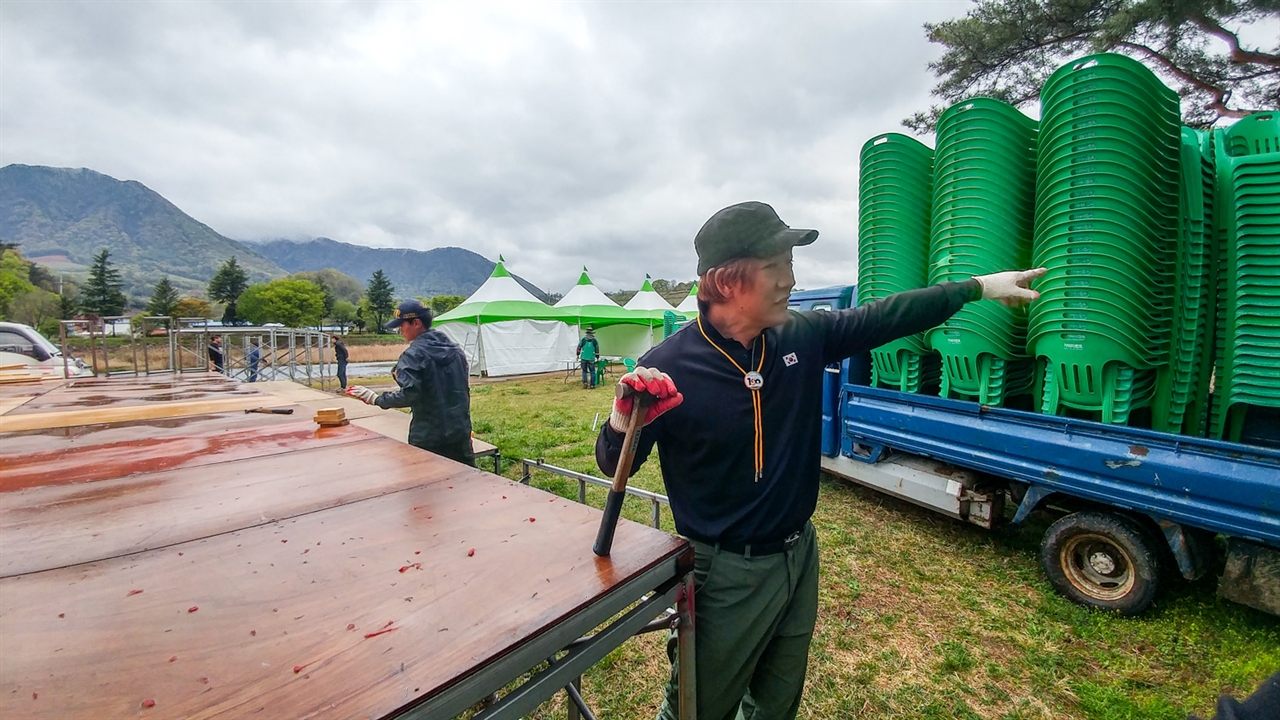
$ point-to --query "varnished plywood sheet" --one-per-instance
(79, 394)
(146, 451)
(59, 525)
(350, 612)
(19, 421)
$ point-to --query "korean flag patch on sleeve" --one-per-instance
(790, 359)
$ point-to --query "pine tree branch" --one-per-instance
(1239, 55)
(1218, 94)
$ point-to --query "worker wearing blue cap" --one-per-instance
(432, 374)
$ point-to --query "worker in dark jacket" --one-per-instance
(432, 374)
(340, 355)
(737, 421)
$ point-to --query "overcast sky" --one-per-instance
(557, 135)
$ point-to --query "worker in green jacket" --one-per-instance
(588, 351)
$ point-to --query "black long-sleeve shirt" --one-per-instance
(707, 444)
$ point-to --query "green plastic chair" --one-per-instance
(630, 363)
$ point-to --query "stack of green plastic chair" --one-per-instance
(1107, 181)
(894, 196)
(984, 199)
(1248, 163)
(1212, 342)
(1186, 374)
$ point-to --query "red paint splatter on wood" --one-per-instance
(193, 608)
(299, 668)
(173, 659)
(35, 696)
(253, 633)
(471, 552)
(204, 680)
(417, 566)
(380, 632)
(417, 552)
(148, 703)
(133, 592)
(304, 552)
(533, 519)
(504, 497)
(62, 615)
(284, 541)
(351, 626)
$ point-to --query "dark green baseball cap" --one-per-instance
(745, 230)
(410, 310)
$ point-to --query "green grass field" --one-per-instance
(920, 616)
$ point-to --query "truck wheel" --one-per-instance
(1102, 561)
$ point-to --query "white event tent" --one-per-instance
(689, 306)
(505, 330)
(622, 333)
(653, 306)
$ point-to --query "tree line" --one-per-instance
(30, 294)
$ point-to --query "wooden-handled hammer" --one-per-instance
(618, 491)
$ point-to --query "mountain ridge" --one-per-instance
(425, 273)
(75, 212)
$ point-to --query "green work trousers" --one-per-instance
(754, 618)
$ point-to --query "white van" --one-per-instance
(22, 345)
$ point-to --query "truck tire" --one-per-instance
(1103, 561)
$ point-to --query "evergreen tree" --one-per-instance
(102, 293)
(381, 295)
(226, 286)
(68, 305)
(163, 298)
(1006, 49)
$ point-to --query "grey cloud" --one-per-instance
(558, 135)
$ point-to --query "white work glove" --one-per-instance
(645, 380)
(1010, 287)
(362, 393)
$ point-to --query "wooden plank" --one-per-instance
(147, 452)
(245, 624)
(71, 418)
(60, 525)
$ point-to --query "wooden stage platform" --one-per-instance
(166, 555)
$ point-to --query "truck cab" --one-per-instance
(24, 345)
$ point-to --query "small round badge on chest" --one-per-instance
(753, 380)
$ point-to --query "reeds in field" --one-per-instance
(375, 353)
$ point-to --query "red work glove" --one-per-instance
(645, 380)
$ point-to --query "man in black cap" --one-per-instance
(432, 374)
(739, 443)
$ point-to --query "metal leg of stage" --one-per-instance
(685, 649)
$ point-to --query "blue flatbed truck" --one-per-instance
(1134, 507)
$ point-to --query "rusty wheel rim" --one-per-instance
(1097, 566)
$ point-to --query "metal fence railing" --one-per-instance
(656, 501)
(159, 344)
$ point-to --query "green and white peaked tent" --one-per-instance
(689, 306)
(651, 305)
(505, 330)
(649, 301)
(621, 333)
